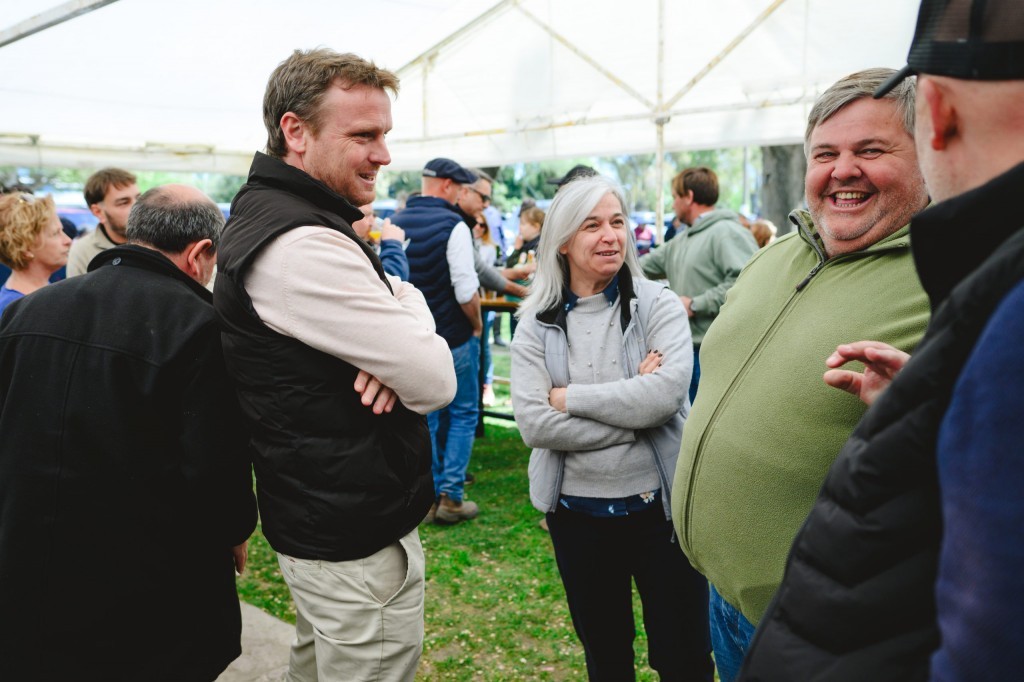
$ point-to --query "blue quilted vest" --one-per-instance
(428, 223)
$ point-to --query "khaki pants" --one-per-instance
(357, 620)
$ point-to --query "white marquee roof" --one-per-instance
(178, 84)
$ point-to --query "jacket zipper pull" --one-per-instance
(812, 273)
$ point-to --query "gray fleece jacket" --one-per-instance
(601, 416)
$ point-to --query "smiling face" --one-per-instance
(597, 250)
(863, 181)
(349, 148)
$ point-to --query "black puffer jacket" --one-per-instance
(857, 599)
(124, 479)
(334, 481)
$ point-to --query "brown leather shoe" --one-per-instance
(451, 512)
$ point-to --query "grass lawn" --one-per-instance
(495, 607)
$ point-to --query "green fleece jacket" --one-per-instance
(702, 262)
(765, 427)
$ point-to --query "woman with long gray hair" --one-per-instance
(600, 366)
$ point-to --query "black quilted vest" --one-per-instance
(334, 481)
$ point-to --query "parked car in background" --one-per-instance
(385, 208)
(82, 217)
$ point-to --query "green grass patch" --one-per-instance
(495, 607)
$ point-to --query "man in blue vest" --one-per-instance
(441, 265)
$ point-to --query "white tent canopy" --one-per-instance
(178, 84)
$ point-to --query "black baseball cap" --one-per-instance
(967, 39)
(446, 168)
(576, 172)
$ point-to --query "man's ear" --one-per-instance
(195, 265)
(940, 112)
(451, 190)
(96, 211)
(294, 130)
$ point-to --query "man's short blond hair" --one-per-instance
(23, 217)
(299, 84)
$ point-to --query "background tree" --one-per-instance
(783, 191)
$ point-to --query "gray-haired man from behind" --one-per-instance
(125, 481)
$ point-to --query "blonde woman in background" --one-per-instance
(32, 244)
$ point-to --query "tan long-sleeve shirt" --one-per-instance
(316, 285)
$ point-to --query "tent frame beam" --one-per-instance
(591, 62)
(660, 111)
(733, 44)
(49, 18)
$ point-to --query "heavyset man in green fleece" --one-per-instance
(760, 440)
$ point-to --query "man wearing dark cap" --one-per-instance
(441, 265)
(909, 565)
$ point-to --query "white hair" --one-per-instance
(573, 203)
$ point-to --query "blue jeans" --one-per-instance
(695, 377)
(730, 635)
(452, 449)
(488, 362)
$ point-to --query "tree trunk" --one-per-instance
(783, 188)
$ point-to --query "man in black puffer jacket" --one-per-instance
(908, 567)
